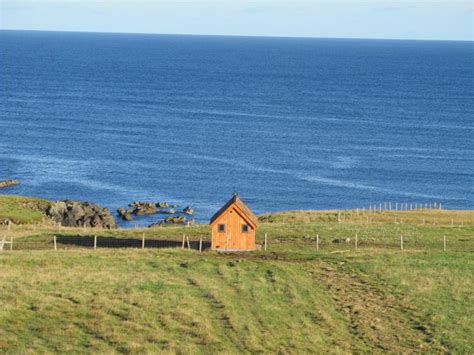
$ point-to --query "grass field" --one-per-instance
(296, 297)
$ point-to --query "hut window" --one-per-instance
(245, 228)
(221, 228)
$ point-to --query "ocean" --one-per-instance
(288, 123)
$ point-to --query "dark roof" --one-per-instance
(235, 200)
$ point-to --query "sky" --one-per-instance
(399, 19)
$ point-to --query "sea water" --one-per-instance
(288, 123)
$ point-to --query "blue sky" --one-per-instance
(446, 20)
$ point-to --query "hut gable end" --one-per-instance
(241, 208)
(233, 227)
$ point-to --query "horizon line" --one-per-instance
(239, 35)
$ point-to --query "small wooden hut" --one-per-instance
(233, 227)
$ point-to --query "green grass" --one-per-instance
(182, 301)
(293, 298)
(21, 210)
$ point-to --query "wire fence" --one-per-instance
(64, 242)
(452, 243)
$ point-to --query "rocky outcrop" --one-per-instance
(137, 208)
(143, 208)
(162, 204)
(126, 215)
(8, 183)
(80, 214)
(170, 220)
(175, 219)
(188, 210)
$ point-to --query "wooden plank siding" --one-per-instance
(233, 238)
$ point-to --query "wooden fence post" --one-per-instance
(444, 243)
(265, 245)
(200, 245)
(95, 242)
(184, 240)
(317, 242)
(356, 241)
(55, 244)
(401, 242)
(143, 241)
(187, 240)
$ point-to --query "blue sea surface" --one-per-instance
(287, 123)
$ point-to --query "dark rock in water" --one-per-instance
(188, 210)
(140, 209)
(162, 204)
(8, 183)
(145, 209)
(80, 214)
(126, 215)
(175, 219)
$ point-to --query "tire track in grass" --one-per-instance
(219, 314)
(375, 316)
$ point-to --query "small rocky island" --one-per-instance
(140, 208)
(8, 183)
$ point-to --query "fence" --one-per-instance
(321, 243)
(63, 242)
(317, 243)
(403, 206)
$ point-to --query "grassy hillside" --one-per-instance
(21, 210)
(138, 301)
(297, 297)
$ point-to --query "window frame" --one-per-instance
(245, 228)
(219, 228)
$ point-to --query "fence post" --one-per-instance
(444, 243)
(143, 241)
(401, 242)
(265, 241)
(317, 242)
(55, 245)
(356, 241)
(200, 245)
(95, 242)
(184, 238)
(187, 240)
